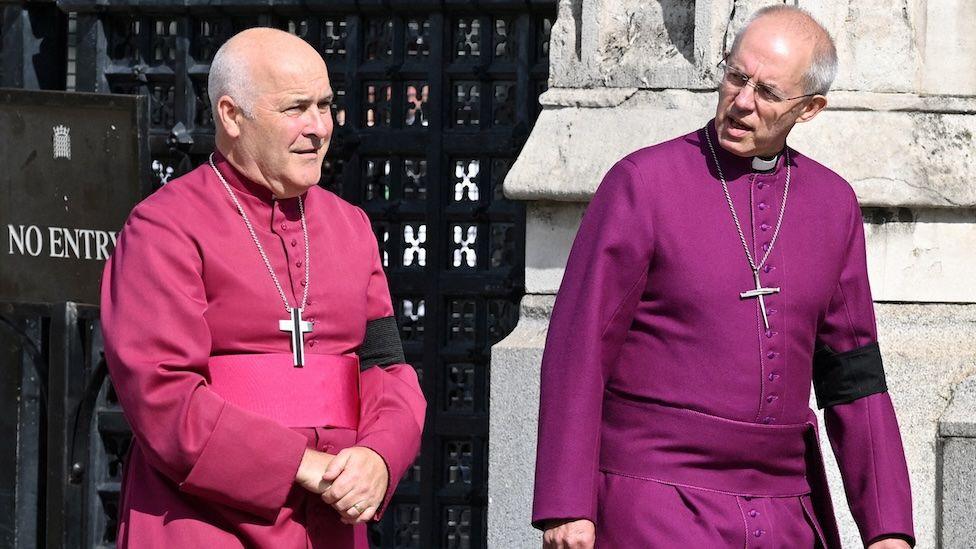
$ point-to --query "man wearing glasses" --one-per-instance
(713, 277)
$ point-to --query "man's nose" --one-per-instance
(319, 123)
(745, 98)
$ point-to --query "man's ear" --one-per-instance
(813, 107)
(229, 116)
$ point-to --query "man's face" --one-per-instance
(746, 121)
(290, 126)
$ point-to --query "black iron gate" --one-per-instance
(64, 458)
(434, 101)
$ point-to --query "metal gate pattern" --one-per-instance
(71, 435)
(434, 100)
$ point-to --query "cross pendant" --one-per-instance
(760, 292)
(298, 329)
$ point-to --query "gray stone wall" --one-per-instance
(899, 126)
(957, 468)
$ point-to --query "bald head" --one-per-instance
(241, 66)
(272, 105)
(799, 27)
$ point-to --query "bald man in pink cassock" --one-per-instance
(714, 276)
(249, 332)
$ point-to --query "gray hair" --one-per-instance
(823, 64)
(230, 75)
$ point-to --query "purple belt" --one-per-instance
(688, 448)
(325, 393)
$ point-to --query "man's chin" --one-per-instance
(306, 170)
(312, 181)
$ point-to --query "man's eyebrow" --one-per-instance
(297, 98)
(738, 69)
(772, 86)
(305, 99)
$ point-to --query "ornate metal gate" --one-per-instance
(434, 101)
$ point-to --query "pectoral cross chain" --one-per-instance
(759, 292)
(298, 329)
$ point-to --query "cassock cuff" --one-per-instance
(907, 538)
(839, 378)
(561, 505)
(541, 521)
(249, 463)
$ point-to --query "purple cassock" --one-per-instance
(206, 374)
(671, 416)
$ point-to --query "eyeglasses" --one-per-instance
(736, 80)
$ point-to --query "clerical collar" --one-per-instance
(764, 165)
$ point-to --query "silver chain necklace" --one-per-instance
(759, 291)
(295, 325)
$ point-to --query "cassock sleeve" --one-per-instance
(157, 345)
(604, 277)
(858, 415)
(392, 406)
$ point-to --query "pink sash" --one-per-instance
(325, 393)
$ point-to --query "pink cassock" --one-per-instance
(220, 416)
(670, 415)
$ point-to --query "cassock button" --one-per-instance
(311, 343)
(763, 205)
(284, 226)
(304, 283)
(767, 420)
(770, 399)
(298, 264)
(758, 533)
(765, 226)
(294, 243)
(753, 513)
(768, 269)
(773, 377)
(771, 355)
(766, 247)
(761, 185)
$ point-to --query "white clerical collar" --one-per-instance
(761, 164)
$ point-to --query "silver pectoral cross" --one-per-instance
(298, 329)
(760, 292)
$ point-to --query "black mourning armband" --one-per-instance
(381, 346)
(839, 378)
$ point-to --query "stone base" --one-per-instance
(959, 495)
(513, 427)
(957, 469)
